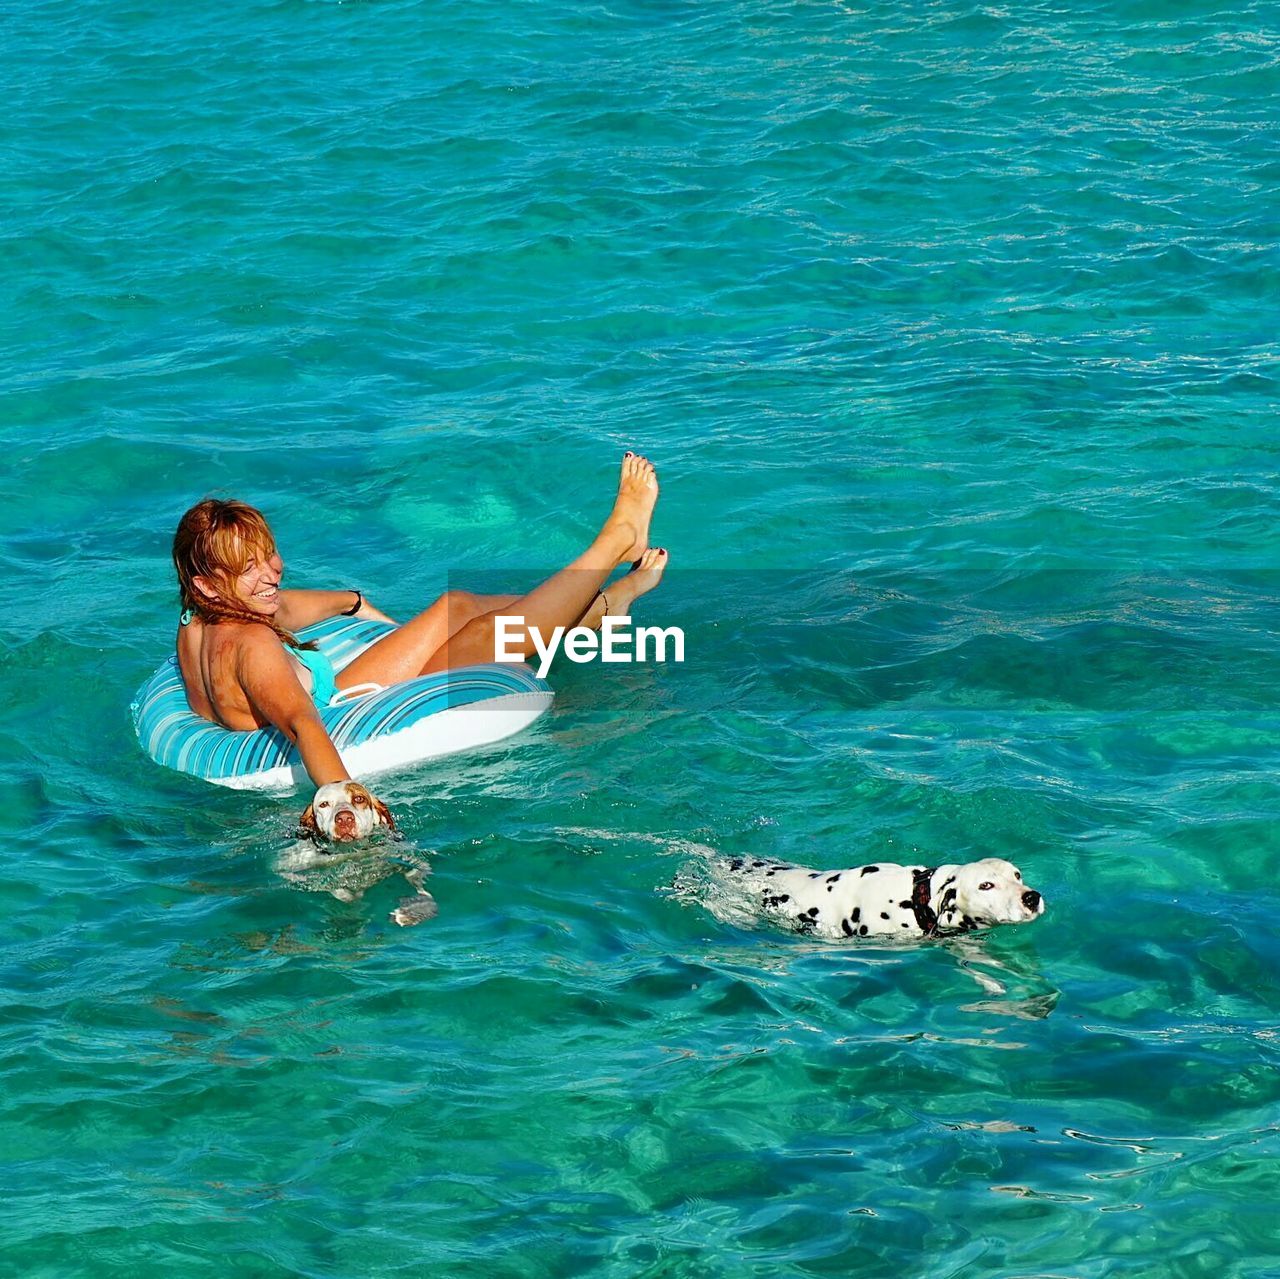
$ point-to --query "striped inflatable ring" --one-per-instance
(419, 719)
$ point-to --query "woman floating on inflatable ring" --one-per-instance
(243, 668)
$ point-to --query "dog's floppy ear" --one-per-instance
(307, 822)
(384, 816)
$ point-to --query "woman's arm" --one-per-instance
(271, 684)
(303, 608)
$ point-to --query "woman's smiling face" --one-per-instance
(257, 587)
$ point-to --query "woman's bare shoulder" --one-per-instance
(218, 637)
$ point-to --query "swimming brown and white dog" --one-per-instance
(345, 813)
(887, 900)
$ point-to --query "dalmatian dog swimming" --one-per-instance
(887, 900)
(336, 822)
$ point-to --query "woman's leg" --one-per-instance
(567, 596)
(402, 654)
(446, 633)
(616, 599)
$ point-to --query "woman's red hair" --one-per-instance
(215, 540)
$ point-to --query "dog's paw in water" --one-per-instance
(413, 910)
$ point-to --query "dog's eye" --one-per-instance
(1017, 874)
(324, 803)
(986, 886)
(359, 799)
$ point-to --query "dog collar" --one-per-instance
(921, 891)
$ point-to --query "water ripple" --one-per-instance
(951, 328)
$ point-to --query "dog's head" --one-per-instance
(992, 892)
(344, 812)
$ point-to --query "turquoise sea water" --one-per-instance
(951, 328)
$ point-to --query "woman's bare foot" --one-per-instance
(640, 581)
(633, 510)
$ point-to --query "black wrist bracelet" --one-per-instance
(355, 608)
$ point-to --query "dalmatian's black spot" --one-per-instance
(950, 879)
(884, 914)
(969, 924)
(815, 874)
(756, 865)
(862, 932)
(905, 924)
(870, 870)
(833, 878)
(736, 864)
(844, 925)
(812, 912)
(904, 905)
(857, 914)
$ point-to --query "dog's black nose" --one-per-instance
(1031, 899)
